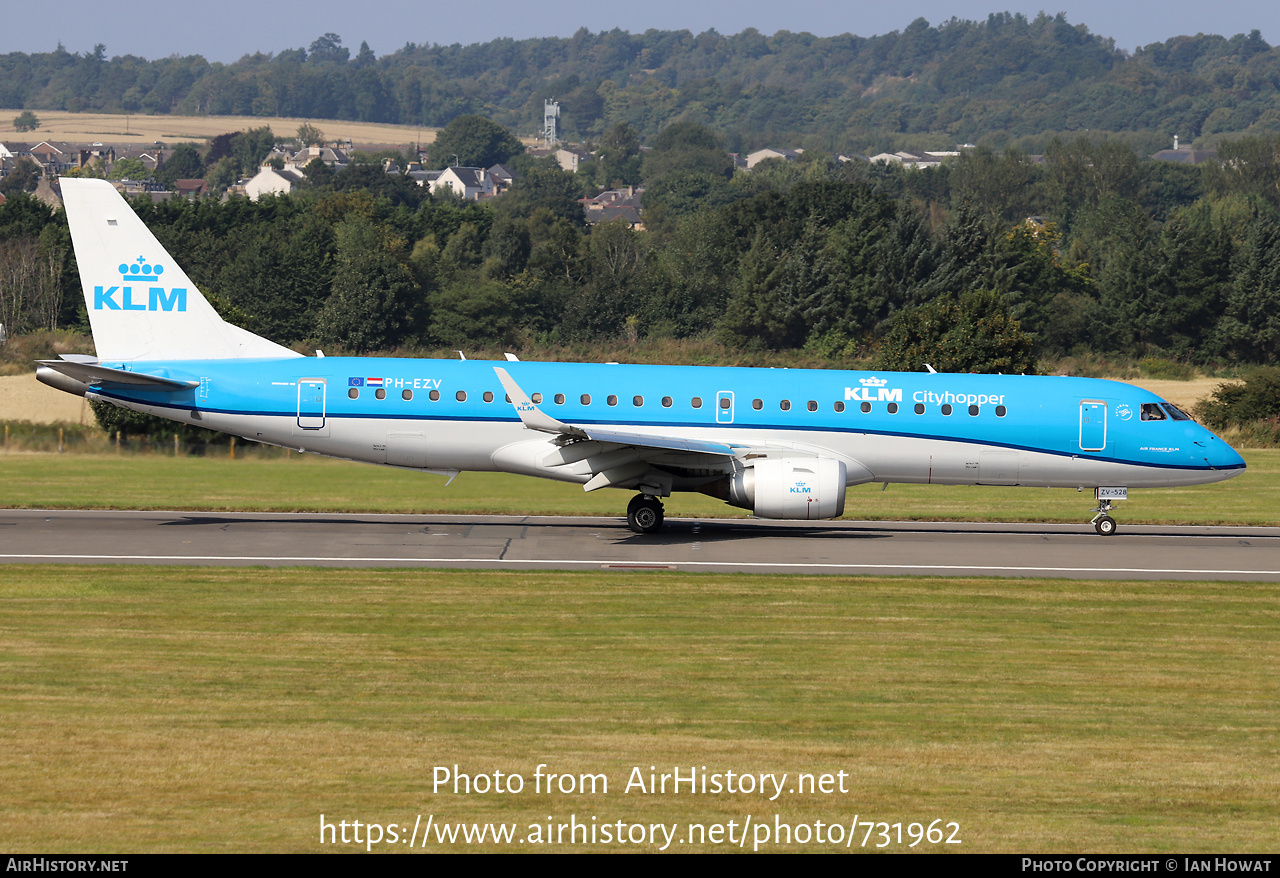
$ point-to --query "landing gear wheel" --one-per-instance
(644, 514)
(1105, 525)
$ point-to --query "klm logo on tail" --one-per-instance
(158, 298)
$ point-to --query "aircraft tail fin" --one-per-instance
(141, 304)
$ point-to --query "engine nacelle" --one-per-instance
(805, 488)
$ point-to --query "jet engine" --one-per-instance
(805, 488)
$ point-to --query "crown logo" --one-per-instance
(141, 270)
(872, 382)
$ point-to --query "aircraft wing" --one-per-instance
(698, 446)
(92, 373)
(536, 419)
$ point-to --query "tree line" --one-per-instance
(991, 262)
(1008, 80)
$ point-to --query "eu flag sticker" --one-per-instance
(355, 382)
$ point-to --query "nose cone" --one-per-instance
(1221, 456)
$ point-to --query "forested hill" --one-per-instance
(1006, 80)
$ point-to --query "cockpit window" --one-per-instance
(1176, 413)
(1152, 412)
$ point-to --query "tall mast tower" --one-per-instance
(550, 113)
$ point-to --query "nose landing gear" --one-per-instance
(1104, 524)
(644, 514)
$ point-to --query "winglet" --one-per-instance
(530, 415)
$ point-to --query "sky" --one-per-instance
(232, 28)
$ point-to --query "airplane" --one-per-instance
(782, 443)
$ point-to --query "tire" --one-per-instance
(1105, 526)
(644, 515)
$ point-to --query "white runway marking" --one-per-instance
(672, 565)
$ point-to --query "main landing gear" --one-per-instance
(1104, 524)
(644, 514)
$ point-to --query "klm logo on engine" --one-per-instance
(127, 297)
(865, 392)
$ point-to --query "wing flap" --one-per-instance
(667, 443)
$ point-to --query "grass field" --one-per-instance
(59, 125)
(306, 483)
(224, 710)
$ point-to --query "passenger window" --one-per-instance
(585, 399)
(508, 399)
(434, 395)
(488, 396)
(461, 395)
(757, 404)
(559, 399)
(866, 407)
(919, 408)
(726, 402)
(893, 408)
(380, 393)
(611, 399)
(406, 394)
(537, 399)
(353, 393)
(973, 411)
(1001, 411)
(1176, 413)
(839, 406)
(637, 401)
(666, 402)
(946, 408)
(1152, 412)
(785, 405)
(813, 405)
(696, 402)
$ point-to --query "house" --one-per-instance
(469, 183)
(502, 179)
(568, 159)
(96, 153)
(915, 159)
(1185, 155)
(425, 179)
(334, 159)
(189, 188)
(54, 158)
(760, 155)
(269, 181)
(49, 192)
(615, 205)
(130, 188)
(284, 154)
(152, 159)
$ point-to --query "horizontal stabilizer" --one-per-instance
(90, 373)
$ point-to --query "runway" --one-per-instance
(551, 543)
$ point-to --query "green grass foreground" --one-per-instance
(184, 709)
(306, 483)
